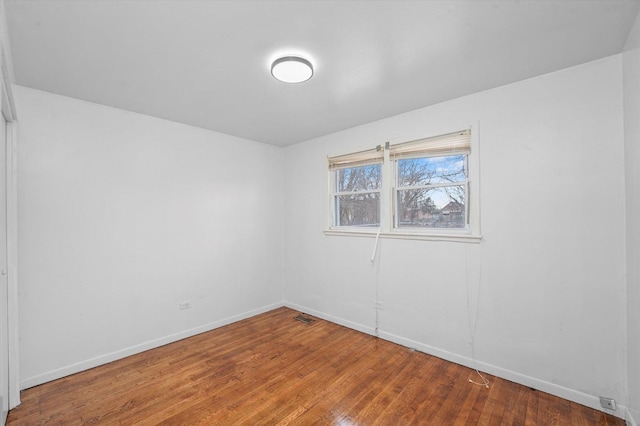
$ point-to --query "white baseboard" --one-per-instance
(4, 414)
(132, 350)
(573, 395)
(631, 421)
(331, 318)
(590, 401)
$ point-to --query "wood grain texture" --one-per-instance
(273, 370)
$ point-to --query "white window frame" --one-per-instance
(352, 160)
(388, 228)
(397, 188)
(334, 193)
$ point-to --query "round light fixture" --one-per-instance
(292, 69)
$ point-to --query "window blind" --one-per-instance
(356, 159)
(449, 144)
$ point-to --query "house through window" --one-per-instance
(431, 192)
(417, 187)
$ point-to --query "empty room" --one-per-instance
(320, 212)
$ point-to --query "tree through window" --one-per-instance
(431, 192)
(419, 187)
(357, 196)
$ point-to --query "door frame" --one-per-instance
(8, 110)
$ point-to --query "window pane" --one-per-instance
(441, 207)
(358, 209)
(364, 178)
(431, 170)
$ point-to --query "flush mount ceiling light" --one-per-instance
(292, 69)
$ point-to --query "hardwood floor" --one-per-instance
(272, 369)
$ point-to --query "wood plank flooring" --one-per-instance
(274, 370)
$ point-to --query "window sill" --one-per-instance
(458, 238)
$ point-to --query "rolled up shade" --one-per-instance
(357, 159)
(449, 144)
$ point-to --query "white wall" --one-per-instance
(550, 269)
(631, 79)
(124, 216)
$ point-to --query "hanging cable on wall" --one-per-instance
(376, 306)
(473, 317)
(375, 246)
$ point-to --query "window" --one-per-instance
(420, 188)
(356, 183)
(357, 196)
(431, 182)
(431, 192)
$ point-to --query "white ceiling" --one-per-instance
(207, 63)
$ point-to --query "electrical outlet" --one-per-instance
(378, 305)
(608, 403)
(184, 305)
